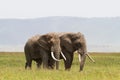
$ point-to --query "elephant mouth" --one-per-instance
(87, 55)
(52, 54)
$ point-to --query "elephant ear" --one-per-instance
(66, 43)
(49, 39)
(44, 41)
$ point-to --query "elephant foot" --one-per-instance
(28, 68)
(68, 69)
(51, 68)
(80, 70)
(39, 67)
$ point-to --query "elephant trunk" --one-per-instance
(57, 62)
(83, 58)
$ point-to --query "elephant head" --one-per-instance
(71, 42)
(51, 43)
(79, 44)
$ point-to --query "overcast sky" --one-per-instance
(44, 8)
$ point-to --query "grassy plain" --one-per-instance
(106, 67)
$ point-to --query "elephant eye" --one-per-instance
(51, 42)
(78, 45)
(73, 39)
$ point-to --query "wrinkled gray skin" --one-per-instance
(39, 48)
(71, 42)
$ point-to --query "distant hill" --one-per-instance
(98, 31)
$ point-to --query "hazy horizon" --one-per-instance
(90, 48)
(102, 34)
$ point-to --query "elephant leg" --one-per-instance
(51, 63)
(28, 64)
(39, 62)
(68, 62)
(71, 60)
(45, 63)
(83, 58)
(45, 59)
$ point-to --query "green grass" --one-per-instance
(106, 67)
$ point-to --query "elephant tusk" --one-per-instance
(79, 58)
(54, 57)
(63, 56)
(90, 58)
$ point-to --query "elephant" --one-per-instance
(43, 48)
(71, 42)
